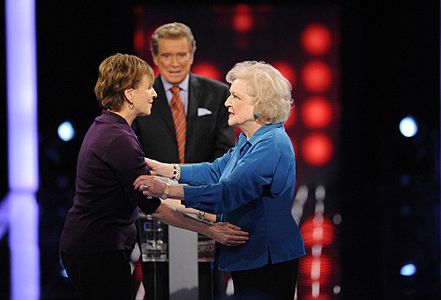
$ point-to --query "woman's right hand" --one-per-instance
(159, 168)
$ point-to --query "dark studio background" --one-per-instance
(389, 185)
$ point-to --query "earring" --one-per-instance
(131, 105)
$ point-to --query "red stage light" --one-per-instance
(319, 297)
(316, 39)
(207, 70)
(315, 269)
(138, 41)
(316, 113)
(287, 70)
(242, 19)
(317, 234)
(317, 149)
(316, 76)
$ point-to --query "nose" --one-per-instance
(228, 102)
(174, 61)
(153, 93)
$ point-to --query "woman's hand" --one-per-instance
(227, 234)
(149, 185)
(159, 168)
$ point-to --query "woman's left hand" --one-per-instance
(149, 185)
(227, 234)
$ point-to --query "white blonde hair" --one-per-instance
(272, 90)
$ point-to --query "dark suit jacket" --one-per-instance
(207, 137)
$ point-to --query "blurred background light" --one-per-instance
(408, 127)
(316, 112)
(208, 70)
(66, 132)
(316, 76)
(317, 149)
(242, 19)
(316, 39)
(408, 270)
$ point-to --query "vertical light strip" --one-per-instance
(22, 148)
(22, 95)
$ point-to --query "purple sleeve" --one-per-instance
(126, 158)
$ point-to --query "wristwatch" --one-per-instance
(201, 215)
(166, 191)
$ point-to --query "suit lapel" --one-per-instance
(161, 105)
(193, 102)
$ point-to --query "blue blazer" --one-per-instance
(251, 186)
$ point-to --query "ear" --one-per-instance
(128, 93)
(191, 57)
(155, 59)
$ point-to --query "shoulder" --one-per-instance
(157, 84)
(282, 142)
(114, 133)
(277, 139)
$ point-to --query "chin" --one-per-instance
(143, 114)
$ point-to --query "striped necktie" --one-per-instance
(178, 114)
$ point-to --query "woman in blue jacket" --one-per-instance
(252, 185)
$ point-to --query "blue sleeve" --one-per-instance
(204, 173)
(245, 183)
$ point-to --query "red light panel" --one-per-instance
(316, 113)
(316, 39)
(316, 76)
(317, 149)
(242, 19)
(317, 234)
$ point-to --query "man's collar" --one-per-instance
(183, 85)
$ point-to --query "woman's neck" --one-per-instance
(250, 129)
(125, 114)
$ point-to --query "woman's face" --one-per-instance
(240, 104)
(143, 97)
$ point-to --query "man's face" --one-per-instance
(174, 59)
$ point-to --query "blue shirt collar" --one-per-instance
(183, 85)
(258, 134)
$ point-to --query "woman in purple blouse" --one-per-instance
(99, 232)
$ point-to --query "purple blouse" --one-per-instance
(105, 205)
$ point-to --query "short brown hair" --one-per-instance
(172, 31)
(116, 74)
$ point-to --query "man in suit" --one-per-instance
(205, 134)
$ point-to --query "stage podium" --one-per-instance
(176, 263)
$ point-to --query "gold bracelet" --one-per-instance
(166, 191)
(176, 172)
